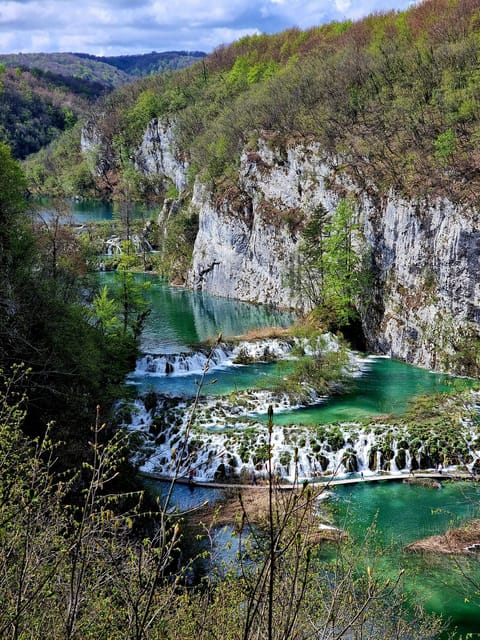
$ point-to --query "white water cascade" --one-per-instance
(222, 356)
(227, 437)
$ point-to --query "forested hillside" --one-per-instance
(145, 64)
(43, 94)
(36, 106)
(394, 98)
(108, 71)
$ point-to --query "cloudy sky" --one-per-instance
(113, 27)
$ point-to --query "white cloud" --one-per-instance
(136, 26)
(342, 5)
(41, 41)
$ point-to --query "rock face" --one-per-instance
(423, 305)
(154, 158)
(246, 246)
(424, 302)
(155, 154)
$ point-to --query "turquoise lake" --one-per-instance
(403, 513)
(82, 211)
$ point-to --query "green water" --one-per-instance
(404, 513)
(180, 317)
(385, 387)
(81, 211)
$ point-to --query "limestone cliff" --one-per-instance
(424, 302)
(156, 154)
(424, 305)
(247, 241)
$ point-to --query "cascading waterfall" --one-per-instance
(182, 363)
(228, 440)
(224, 355)
(228, 437)
(225, 447)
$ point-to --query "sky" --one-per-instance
(116, 27)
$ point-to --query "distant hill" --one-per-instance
(44, 94)
(36, 106)
(69, 65)
(111, 72)
(146, 64)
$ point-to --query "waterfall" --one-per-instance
(182, 363)
(194, 362)
(226, 444)
(229, 439)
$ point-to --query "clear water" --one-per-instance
(217, 382)
(82, 211)
(181, 318)
(385, 387)
(183, 497)
(404, 513)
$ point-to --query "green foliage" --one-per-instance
(395, 96)
(322, 371)
(128, 308)
(177, 247)
(148, 105)
(75, 363)
(36, 109)
(105, 313)
(12, 190)
(246, 71)
(60, 169)
(331, 274)
(445, 145)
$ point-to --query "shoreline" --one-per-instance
(462, 540)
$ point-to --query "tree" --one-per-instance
(12, 202)
(331, 274)
(130, 294)
(46, 323)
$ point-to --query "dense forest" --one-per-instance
(36, 106)
(145, 64)
(392, 99)
(54, 321)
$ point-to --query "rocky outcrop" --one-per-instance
(246, 246)
(238, 255)
(154, 158)
(97, 148)
(155, 155)
(423, 304)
